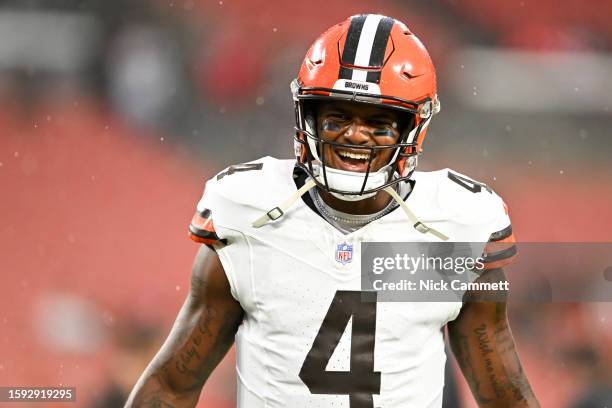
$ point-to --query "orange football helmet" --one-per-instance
(369, 59)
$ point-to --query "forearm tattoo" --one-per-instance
(486, 352)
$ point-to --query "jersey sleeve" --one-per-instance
(501, 249)
(202, 229)
(202, 226)
(226, 205)
(478, 209)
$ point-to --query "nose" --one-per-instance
(358, 133)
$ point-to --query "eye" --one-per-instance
(383, 127)
(385, 132)
(335, 121)
(331, 125)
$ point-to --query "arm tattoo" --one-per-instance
(192, 363)
(462, 353)
(484, 346)
(518, 384)
(189, 355)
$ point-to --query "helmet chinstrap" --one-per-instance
(310, 167)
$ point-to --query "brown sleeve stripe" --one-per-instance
(205, 237)
(203, 220)
(500, 255)
(202, 240)
(497, 246)
(502, 235)
(209, 242)
(498, 264)
(202, 229)
(500, 250)
(203, 233)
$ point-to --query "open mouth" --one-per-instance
(353, 160)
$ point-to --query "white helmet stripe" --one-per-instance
(364, 47)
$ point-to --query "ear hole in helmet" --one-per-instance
(310, 116)
(406, 125)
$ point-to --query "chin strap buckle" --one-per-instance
(275, 213)
(422, 228)
(272, 215)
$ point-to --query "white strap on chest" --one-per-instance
(418, 225)
(277, 212)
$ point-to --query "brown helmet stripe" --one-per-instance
(379, 47)
(350, 46)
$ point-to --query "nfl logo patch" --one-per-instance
(344, 253)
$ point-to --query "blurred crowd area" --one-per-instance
(113, 114)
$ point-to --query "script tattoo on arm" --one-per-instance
(202, 334)
(483, 345)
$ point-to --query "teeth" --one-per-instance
(352, 155)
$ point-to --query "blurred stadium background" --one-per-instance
(113, 114)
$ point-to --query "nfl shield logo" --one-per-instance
(344, 253)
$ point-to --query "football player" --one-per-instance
(278, 271)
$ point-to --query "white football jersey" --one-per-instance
(307, 340)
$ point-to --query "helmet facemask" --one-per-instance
(351, 185)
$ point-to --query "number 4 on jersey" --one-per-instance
(468, 184)
(238, 168)
(361, 382)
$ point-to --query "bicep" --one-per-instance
(204, 329)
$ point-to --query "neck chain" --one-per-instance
(345, 218)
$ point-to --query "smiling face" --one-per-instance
(358, 125)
